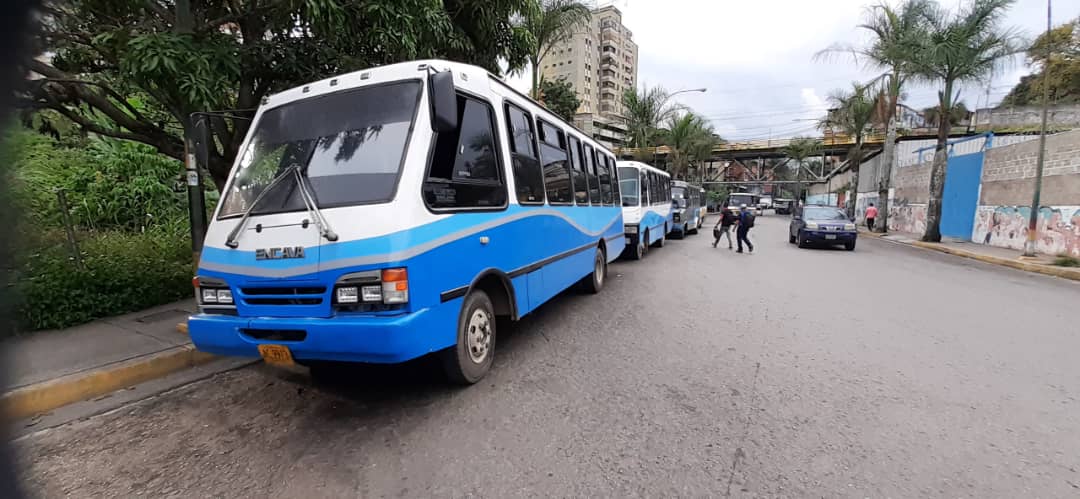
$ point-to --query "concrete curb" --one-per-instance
(48, 395)
(1062, 272)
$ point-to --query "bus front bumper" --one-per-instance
(375, 339)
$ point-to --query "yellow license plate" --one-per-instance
(276, 354)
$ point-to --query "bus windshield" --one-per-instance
(350, 145)
(679, 194)
(628, 185)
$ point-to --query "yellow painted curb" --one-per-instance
(1062, 272)
(48, 395)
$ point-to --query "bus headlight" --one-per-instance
(347, 294)
(631, 229)
(209, 295)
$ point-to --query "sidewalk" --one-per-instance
(50, 369)
(1042, 264)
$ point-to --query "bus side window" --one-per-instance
(654, 188)
(556, 171)
(644, 188)
(605, 179)
(616, 189)
(464, 170)
(528, 177)
(581, 188)
(594, 178)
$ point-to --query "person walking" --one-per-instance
(742, 230)
(871, 216)
(723, 228)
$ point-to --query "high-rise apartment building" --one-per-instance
(600, 61)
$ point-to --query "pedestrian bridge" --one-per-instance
(832, 144)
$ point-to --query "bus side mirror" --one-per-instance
(444, 107)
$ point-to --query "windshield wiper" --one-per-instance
(234, 237)
(313, 207)
(305, 194)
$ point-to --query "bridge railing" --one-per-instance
(751, 145)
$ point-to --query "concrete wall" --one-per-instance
(1028, 116)
(910, 193)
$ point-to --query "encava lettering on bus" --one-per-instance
(279, 253)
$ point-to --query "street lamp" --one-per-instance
(677, 92)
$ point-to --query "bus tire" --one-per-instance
(642, 248)
(469, 360)
(594, 282)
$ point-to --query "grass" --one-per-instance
(1064, 260)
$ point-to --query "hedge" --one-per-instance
(122, 272)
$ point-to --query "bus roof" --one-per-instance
(641, 166)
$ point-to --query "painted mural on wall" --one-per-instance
(1006, 227)
(907, 217)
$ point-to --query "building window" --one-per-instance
(528, 176)
(556, 171)
(473, 178)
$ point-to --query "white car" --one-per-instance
(765, 202)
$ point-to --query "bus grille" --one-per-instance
(292, 295)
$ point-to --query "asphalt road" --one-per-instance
(885, 372)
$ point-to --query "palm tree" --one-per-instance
(895, 31)
(687, 135)
(961, 47)
(852, 114)
(957, 114)
(799, 149)
(551, 22)
(646, 109)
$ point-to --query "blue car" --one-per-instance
(822, 225)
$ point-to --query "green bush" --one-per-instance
(122, 272)
(1064, 260)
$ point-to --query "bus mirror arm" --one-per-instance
(444, 106)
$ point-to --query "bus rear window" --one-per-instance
(350, 144)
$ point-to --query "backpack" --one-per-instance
(748, 219)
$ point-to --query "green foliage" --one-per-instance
(958, 114)
(108, 52)
(560, 98)
(690, 138)
(646, 109)
(1067, 261)
(121, 272)
(109, 184)
(1060, 71)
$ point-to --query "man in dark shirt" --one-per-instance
(723, 227)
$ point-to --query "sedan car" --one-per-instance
(822, 225)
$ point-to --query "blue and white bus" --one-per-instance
(385, 214)
(646, 201)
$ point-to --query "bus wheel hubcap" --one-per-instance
(599, 270)
(479, 336)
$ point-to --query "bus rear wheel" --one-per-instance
(469, 360)
(594, 282)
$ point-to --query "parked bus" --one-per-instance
(646, 201)
(686, 212)
(385, 214)
(736, 199)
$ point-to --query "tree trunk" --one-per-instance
(887, 159)
(535, 79)
(856, 162)
(937, 171)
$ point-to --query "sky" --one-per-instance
(755, 58)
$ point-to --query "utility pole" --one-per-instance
(1033, 221)
(196, 141)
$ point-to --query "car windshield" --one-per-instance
(350, 144)
(628, 185)
(823, 214)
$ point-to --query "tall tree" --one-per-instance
(551, 22)
(960, 47)
(559, 96)
(853, 114)
(957, 114)
(799, 149)
(137, 69)
(646, 109)
(687, 136)
(1061, 71)
(895, 31)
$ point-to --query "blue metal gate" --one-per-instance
(961, 198)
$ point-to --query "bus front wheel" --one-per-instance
(469, 360)
(642, 246)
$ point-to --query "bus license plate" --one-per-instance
(277, 355)
(830, 236)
